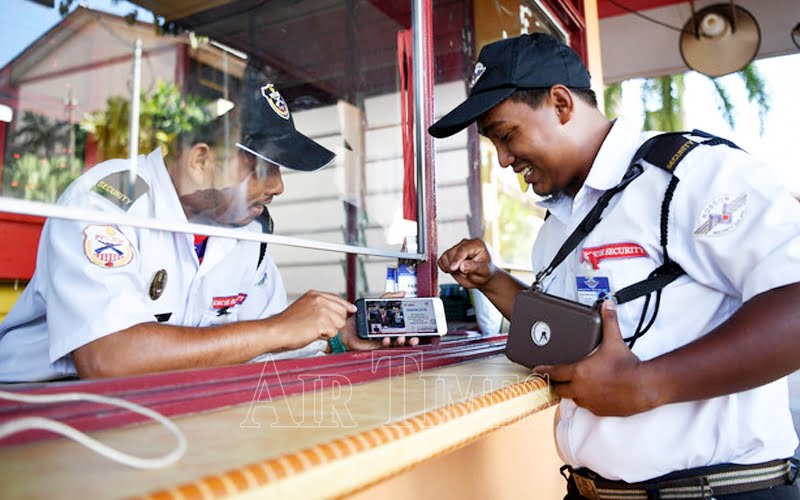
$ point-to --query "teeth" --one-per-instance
(526, 171)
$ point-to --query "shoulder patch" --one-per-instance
(114, 188)
(722, 214)
(106, 246)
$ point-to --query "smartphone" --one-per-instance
(549, 330)
(412, 317)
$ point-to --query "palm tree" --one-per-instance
(39, 134)
(662, 98)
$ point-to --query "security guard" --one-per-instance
(108, 299)
(696, 405)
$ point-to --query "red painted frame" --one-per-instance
(427, 271)
(18, 260)
(194, 391)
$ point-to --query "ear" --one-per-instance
(200, 162)
(563, 102)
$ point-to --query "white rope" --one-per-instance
(48, 424)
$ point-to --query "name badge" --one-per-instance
(592, 288)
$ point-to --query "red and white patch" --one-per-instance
(595, 255)
(228, 302)
(106, 246)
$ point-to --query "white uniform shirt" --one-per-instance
(74, 298)
(736, 232)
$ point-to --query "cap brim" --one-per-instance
(468, 111)
(294, 151)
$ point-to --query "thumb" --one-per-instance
(471, 266)
(611, 331)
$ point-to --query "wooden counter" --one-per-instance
(317, 444)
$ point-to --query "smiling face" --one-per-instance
(539, 142)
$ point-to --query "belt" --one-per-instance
(694, 484)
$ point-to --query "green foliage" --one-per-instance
(173, 113)
(163, 115)
(110, 128)
(612, 97)
(756, 91)
(42, 179)
(726, 106)
(39, 134)
(662, 99)
(515, 230)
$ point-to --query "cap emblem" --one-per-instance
(275, 100)
(477, 73)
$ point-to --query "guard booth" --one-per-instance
(364, 78)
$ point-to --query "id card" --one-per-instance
(592, 288)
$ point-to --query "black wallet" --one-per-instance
(549, 330)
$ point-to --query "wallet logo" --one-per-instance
(540, 333)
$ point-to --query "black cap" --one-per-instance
(268, 131)
(524, 62)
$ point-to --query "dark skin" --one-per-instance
(233, 199)
(758, 344)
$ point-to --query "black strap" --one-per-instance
(267, 226)
(664, 151)
(588, 223)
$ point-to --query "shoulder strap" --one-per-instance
(267, 226)
(664, 151)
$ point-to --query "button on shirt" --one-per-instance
(71, 300)
(735, 231)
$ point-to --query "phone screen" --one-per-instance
(398, 317)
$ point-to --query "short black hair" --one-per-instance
(535, 97)
(212, 133)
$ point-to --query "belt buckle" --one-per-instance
(585, 486)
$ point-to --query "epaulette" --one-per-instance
(115, 188)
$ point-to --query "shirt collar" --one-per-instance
(166, 202)
(614, 156)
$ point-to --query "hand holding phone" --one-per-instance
(410, 317)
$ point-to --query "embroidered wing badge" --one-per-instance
(722, 214)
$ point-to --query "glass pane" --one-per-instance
(279, 116)
(492, 204)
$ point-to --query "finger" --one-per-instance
(330, 321)
(444, 262)
(393, 295)
(347, 306)
(400, 341)
(611, 331)
(386, 342)
(463, 254)
(335, 303)
(472, 266)
(451, 260)
(556, 373)
(413, 341)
